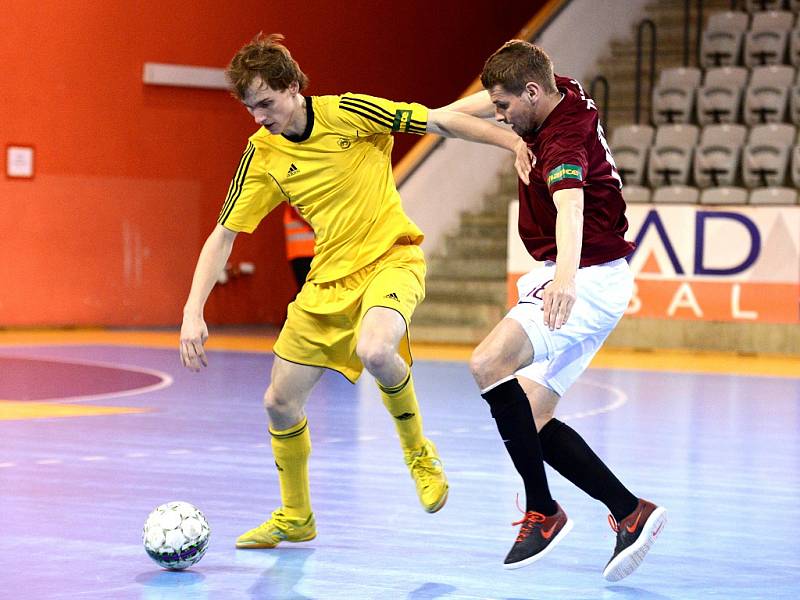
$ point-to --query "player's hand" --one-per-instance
(524, 160)
(558, 299)
(194, 334)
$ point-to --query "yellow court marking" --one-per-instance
(11, 410)
(681, 361)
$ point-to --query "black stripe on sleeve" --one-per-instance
(366, 105)
(367, 114)
(237, 184)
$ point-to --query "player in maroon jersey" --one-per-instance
(572, 217)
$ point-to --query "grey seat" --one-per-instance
(724, 195)
(794, 101)
(671, 155)
(636, 194)
(721, 43)
(774, 195)
(794, 165)
(765, 43)
(765, 157)
(766, 97)
(676, 194)
(674, 94)
(717, 156)
(752, 6)
(630, 145)
(719, 100)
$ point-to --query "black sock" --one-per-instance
(569, 454)
(512, 413)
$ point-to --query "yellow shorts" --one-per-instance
(323, 323)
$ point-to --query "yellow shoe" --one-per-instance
(428, 473)
(279, 528)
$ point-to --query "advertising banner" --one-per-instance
(703, 262)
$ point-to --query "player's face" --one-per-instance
(272, 109)
(516, 110)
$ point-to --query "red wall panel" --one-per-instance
(129, 178)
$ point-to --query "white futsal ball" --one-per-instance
(176, 535)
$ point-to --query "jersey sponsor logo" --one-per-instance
(562, 172)
(344, 143)
(402, 119)
(293, 170)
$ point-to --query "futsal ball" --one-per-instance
(176, 535)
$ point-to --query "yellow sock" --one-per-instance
(291, 448)
(401, 402)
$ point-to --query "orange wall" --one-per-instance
(129, 178)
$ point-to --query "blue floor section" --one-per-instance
(722, 453)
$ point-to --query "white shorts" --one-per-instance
(560, 356)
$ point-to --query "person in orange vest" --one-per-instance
(299, 243)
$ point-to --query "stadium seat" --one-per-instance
(673, 96)
(636, 194)
(629, 146)
(752, 6)
(765, 158)
(676, 194)
(795, 166)
(774, 195)
(724, 195)
(765, 43)
(766, 97)
(720, 98)
(716, 158)
(794, 47)
(721, 43)
(671, 155)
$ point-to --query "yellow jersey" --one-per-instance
(337, 174)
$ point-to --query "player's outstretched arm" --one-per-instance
(478, 105)
(194, 332)
(450, 123)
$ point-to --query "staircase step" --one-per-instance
(449, 334)
(472, 268)
(462, 246)
(466, 291)
(433, 312)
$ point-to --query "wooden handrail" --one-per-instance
(420, 151)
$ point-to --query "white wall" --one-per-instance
(458, 175)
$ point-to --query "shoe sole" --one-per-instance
(439, 505)
(627, 561)
(532, 559)
(261, 546)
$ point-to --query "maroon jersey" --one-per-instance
(571, 152)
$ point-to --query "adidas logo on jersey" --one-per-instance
(293, 170)
(392, 296)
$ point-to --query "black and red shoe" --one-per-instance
(537, 536)
(636, 534)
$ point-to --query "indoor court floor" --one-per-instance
(97, 428)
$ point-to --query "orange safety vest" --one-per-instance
(299, 236)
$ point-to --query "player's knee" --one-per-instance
(374, 355)
(277, 403)
(481, 366)
(541, 417)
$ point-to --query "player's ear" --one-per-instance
(294, 87)
(532, 91)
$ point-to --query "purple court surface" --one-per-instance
(720, 452)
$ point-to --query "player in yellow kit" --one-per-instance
(330, 158)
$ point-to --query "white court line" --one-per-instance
(166, 378)
(620, 398)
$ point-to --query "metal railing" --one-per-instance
(644, 24)
(602, 108)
